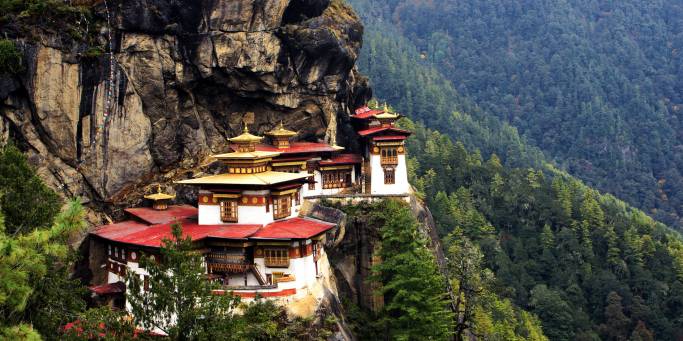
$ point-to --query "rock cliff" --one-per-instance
(185, 75)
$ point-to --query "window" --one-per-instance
(282, 206)
(276, 258)
(389, 176)
(389, 156)
(229, 211)
(340, 178)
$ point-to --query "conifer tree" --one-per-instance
(179, 299)
(616, 323)
(416, 307)
(26, 202)
(25, 261)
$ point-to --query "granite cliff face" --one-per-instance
(186, 75)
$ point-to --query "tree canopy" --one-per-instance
(587, 264)
(596, 85)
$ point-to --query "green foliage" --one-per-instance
(413, 290)
(57, 298)
(556, 247)
(10, 57)
(29, 19)
(179, 300)
(102, 323)
(35, 261)
(264, 320)
(596, 85)
(26, 202)
(480, 310)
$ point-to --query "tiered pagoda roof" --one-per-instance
(280, 131)
(383, 131)
(342, 159)
(298, 148)
(255, 179)
(151, 235)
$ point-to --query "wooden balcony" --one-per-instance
(389, 160)
(222, 257)
(276, 262)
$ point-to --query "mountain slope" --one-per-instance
(596, 85)
(588, 265)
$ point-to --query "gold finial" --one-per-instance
(246, 129)
(386, 108)
(281, 126)
(158, 188)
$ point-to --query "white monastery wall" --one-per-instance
(378, 186)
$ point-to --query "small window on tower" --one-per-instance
(389, 176)
(282, 206)
(229, 211)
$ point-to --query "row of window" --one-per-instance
(340, 178)
(389, 156)
(282, 208)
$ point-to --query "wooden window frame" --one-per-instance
(276, 257)
(337, 178)
(223, 204)
(278, 212)
(389, 176)
(388, 155)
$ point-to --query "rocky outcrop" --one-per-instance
(185, 75)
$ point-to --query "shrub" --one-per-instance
(10, 57)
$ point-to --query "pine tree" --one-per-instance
(25, 261)
(416, 307)
(616, 323)
(641, 333)
(26, 202)
(180, 301)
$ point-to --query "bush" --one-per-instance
(10, 57)
(26, 202)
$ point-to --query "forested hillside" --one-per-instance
(596, 85)
(586, 264)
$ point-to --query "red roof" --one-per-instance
(365, 113)
(294, 148)
(375, 130)
(295, 228)
(152, 216)
(342, 159)
(154, 235)
(389, 138)
(111, 288)
(119, 230)
(131, 232)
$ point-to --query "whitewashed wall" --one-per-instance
(401, 185)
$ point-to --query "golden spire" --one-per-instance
(280, 131)
(245, 137)
(386, 108)
(159, 195)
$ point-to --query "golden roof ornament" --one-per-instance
(386, 115)
(159, 195)
(280, 131)
(246, 137)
